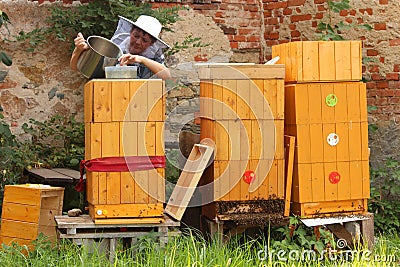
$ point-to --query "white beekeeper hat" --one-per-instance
(148, 24)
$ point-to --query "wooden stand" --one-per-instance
(83, 231)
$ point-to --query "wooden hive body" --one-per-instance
(315, 61)
(242, 112)
(327, 113)
(124, 118)
(29, 210)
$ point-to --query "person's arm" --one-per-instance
(80, 46)
(157, 68)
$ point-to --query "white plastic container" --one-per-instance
(121, 72)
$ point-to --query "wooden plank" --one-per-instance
(153, 186)
(113, 187)
(243, 99)
(301, 104)
(22, 195)
(297, 51)
(20, 212)
(331, 190)
(289, 145)
(223, 180)
(317, 143)
(161, 185)
(356, 60)
(326, 61)
(21, 242)
(267, 171)
(253, 187)
(365, 179)
(342, 206)
(88, 102)
(272, 178)
(138, 100)
(150, 138)
(222, 141)
(363, 102)
(303, 144)
(256, 139)
(318, 182)
(187, 182)
(310, 61)
(159, 136)
(353, 102)
(102, 185)
(270, 107)
(280, 100)
(141, 139)
(329, 150)
(217, 99)
(356, 180)
(344, 185)
(126, 210)
(304, 183)
(88, 145)
(257, 99)
(243, 71)
(271, 143)
(141, 187)
(342, 60)
(244, 187)
(342, 148)
(102, 101)
(110, 139)
(18, 229)
(130, 221)
(245, 137)
(355, 141)
(315, 102)
(290, 104)
(235, 177)
(129, 138)
(340, 91)
(328, 113)
(229, 91)
(206, 98)
(234, 134)
(155, 100)
(119, 100)
(127, 188)
(95, 140)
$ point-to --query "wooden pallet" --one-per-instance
(83, 231)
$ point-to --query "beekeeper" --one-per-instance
(140, 44)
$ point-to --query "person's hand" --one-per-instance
(80, 42)
(129, 59)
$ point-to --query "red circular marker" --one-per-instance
(334, 177)
(249, 177)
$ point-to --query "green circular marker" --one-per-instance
(331, 100)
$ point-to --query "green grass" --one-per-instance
(192, 250)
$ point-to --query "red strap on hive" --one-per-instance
(119, 164)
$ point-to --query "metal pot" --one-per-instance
(101, 53)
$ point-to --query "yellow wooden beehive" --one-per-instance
(326, 110)
(313, 61)
(330, 123)
(242, 111)
(28, 210)
(124, 118)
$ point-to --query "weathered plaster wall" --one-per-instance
(37, 84)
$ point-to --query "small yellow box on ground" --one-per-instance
(28, 210)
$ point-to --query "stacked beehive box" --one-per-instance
(242, 111)
(29, 210)
(326, 110)
(124, 118)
